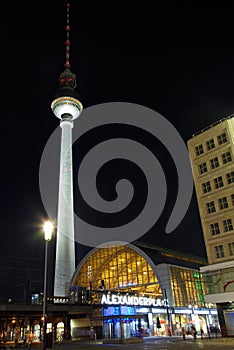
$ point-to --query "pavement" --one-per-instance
(220, 340)
(212, 339)
(149, 340)
(76, 344)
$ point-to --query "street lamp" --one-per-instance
(48, 230)
(168, 314)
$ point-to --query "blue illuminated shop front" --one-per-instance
(120, 322)
(127, 321)
(127, 316)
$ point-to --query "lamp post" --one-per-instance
(48, 230)
(168, 314)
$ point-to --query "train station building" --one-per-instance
(120, 292)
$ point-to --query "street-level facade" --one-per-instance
(212, 158)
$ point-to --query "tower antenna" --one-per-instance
(67, 42)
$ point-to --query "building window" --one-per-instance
(218, 182)
(210, 144)
(206, 187)
(230, 177)
(199, 150)
(231, 248)
(232, 199)
(210, 207)
(227, 225)
(219, 252)
(214, 228)
(226, 157)
(202, 168)
(223, 203)
(222, 138)
(214, 163)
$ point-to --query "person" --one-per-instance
(202, 333)
(183, 332)
(24, 340)
(194, 332)
(140, 332)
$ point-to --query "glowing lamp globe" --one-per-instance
(48, 230)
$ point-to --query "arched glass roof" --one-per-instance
(117, 267)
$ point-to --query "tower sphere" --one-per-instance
(65, 105)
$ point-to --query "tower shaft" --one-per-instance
(65, 245)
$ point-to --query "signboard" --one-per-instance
(116, 299)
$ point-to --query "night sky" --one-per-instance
(176, 58)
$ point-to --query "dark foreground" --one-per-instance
(149, 343)
(162, 343)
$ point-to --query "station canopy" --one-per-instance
(118, 268)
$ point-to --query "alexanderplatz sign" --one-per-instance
(130, 300)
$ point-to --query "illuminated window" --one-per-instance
(214, 163)
(199, 150)
(219, 252)
(222, 138)
(210, 207)
(223, 203)
(206, 187)
(202, 168)
(218, 182)
(226, 157)
(187, 286)
(210, 144)
(118, 268)
(227, 225)
(214, 228)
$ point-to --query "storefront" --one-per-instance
(127, 316)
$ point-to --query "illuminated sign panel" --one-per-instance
(116, 299)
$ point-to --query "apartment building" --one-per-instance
(212, 159)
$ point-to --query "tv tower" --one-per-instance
(67, 107)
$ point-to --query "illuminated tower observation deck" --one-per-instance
(67, 107)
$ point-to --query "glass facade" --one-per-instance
(121, 268)
(118, 268)
(219, 281)
(187, 286)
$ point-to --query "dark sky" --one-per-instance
(176, 58)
